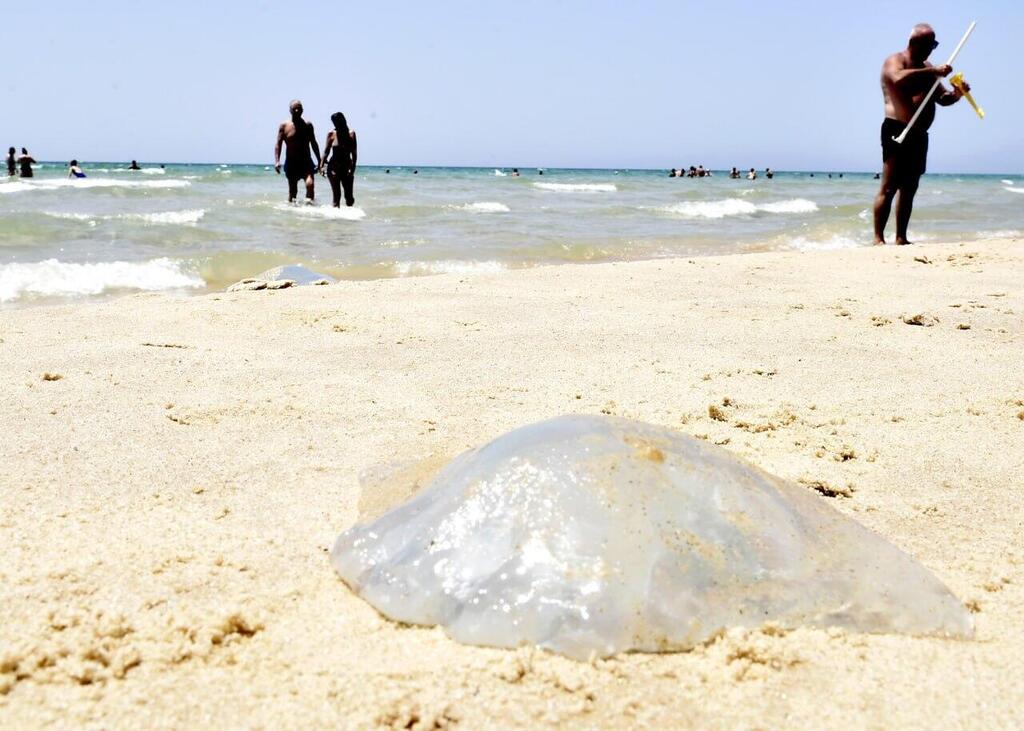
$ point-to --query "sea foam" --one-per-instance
(53, 184)
(830, 244)
(446, 266)
(165, 217)
(484, 207)
(353, 213)
(1014, 190)
(736, 207)
(577, 187)
(52, 277)
(15, 187)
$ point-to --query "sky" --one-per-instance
(552, 83)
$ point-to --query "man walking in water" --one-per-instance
(297, 136)
(906, 78)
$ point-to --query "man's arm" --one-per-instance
(313, 144)
(900, 76)
(277, 149)
(948, 98)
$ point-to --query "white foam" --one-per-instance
(499, 173)
(1014, 190)
(101, 183)
(447, 266)
(70, 216)
(711, 209)
(796, 205)
(737, 207)
(15, 187)
(154, 171)
(830, 244)
(53, 277)
(165, 217)
(577, 187)
(353, 213)
(484, 207)
(1006, 182)
(1000, 234)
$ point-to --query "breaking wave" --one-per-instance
(54, 278)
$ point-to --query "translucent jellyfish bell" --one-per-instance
(594, 535)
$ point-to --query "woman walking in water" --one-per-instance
(340, 159)
(26, 161)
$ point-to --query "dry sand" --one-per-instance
(171, 487)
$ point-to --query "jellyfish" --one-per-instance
(594, 535)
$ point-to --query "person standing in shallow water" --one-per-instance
(26, 161)
(12, 163)
(906, 78)
(297, 136)
(340, 156)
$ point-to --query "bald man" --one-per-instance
(906, 78)
(297, 136)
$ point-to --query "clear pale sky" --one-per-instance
(793, 85)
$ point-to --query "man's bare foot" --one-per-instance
(879, 242)
(903, 242)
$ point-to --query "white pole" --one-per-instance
(956, 51)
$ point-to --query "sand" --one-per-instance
(174, 471)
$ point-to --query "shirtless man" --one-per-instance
(297, 136)
(906, 78)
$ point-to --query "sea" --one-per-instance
(193, 229)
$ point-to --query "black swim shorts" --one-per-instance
(911, 155)
(298, 169)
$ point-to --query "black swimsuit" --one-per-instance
(300, 165)
(911, 156)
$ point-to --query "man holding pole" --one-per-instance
(911, 89)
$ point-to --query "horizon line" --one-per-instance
(510, 167)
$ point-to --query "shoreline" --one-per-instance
(169, 499)
(472, 268)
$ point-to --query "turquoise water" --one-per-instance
(193, 228)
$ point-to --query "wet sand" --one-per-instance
(174, 472)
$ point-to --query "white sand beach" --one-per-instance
(174, 471)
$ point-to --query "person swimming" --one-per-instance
(26, 161)
(340, 155)
(134, 165)
(74, 171)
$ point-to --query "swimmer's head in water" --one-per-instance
(338, 120)
(922, 41)
(295, 107)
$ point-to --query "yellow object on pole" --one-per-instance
(957, 80)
